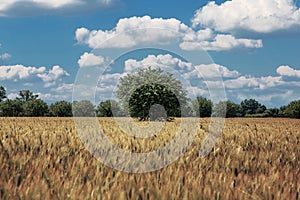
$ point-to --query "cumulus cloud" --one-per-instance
(5, 56)
(90, 59)
(53, 75)
(134, 31)
(263, 16)
(208, 40)
(159, 61)
(211, 71)
(21, 72)
(254, 82)
(32, 7)
(288, 71)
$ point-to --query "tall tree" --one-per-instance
(251, 106)
(2, 93)
(83, 108)
(27, 95)
(202, 107)
(61, 109)
(138, 92)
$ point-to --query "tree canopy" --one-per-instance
(138, 92)
(202, 107)
(83, 108)
(154, 95)
(251, 106)
(2, 93)
(109, 108)
(227, 109)
(292, 110)
(61, 109)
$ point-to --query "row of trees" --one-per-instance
(28, 104)
(147, 94)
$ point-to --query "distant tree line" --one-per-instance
(27, 104)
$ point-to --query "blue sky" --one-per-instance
(252, 45)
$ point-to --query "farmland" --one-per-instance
(44, 158)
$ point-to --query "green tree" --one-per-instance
(292, 109)
(202, 107)
(109, 108)
(251, 106)
(2, 93)
(83, 108)
(138, 92)
(11, 108)
(61, 109)
(35, 108)
(226, 109)
(26, 95)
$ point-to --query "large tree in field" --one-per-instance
(151, 93)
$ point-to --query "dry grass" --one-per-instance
(43, 158)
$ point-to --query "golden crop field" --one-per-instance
(44, 158)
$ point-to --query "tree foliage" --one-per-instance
(227, 109)
(292, 110)
(2, 93)
(61, 109)
(148, 94)
(26, 95)
(11, 108)
(83, 108)
(251, 106)
(35, 108)
(109, 108)
(202, 107)
(138, 92)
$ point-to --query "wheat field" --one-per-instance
(44, 158)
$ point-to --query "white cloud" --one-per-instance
(90, 59)
(20, 7)
(54, 97)
(134, 31)
(53, 75)
(262, 16)
(64, 88)
(6, 4)
(288, 71)
(160, 61)
(253, 82)
(21, 72)
(207, 40)
(211, 71)
(12, 95)
(5, 56)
